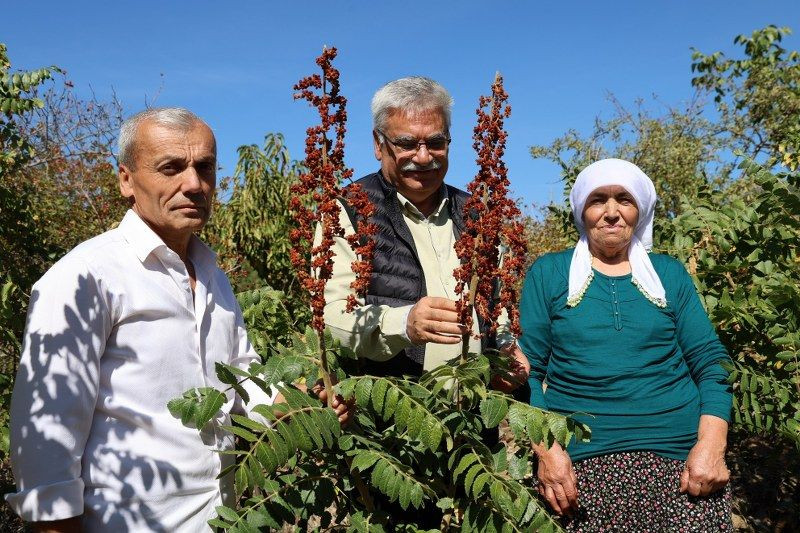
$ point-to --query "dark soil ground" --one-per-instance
(766, 484)
(765, 476)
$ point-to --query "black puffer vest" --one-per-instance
(397, 277)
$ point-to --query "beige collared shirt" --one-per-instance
(378, 332)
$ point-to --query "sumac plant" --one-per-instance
(413, 456)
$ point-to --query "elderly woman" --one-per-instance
(620, 338)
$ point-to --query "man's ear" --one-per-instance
(125, 182)
(376, 144)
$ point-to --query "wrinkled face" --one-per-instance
(173, 182)
(417, 172)
(610, 216)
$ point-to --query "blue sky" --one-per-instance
(234, 63)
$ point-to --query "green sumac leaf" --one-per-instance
(216, 522)
(225, 374)
(227, 513)
(243, 394)
(470, 477)
(558, 427)
(378, 394)
(185, 407)
(466, 461)
(479, 482)
(493, 411)
(363, 460)
(211, 400)
(363, 390)
(432, 433)
(390, 402)
(249, 423)
(241, 432)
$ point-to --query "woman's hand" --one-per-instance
(705, 471)
(342, 408)
(518, 370)
(557, 482)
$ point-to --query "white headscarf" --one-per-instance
(629, 176)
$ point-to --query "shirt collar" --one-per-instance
(145, 241)
(406, 204)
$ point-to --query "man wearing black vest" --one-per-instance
(407, 323)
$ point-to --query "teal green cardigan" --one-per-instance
(638, 375)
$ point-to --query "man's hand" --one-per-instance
(342, 408)
(557, 482)
(705, 471)
(518, 369)
(434, 320)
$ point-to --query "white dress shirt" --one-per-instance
(114, 332)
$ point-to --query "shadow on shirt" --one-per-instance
(60, 393)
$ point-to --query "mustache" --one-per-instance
(414, 167)
(193, 200)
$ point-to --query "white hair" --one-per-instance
(171, 117)
(409, 95)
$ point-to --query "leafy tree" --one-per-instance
(18, 236)
(757, 96)
(413, 444)
(250, 230)
(72, 176)
(60, 190)
(745, 260)
(681, 147)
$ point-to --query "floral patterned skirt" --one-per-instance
(639, 492)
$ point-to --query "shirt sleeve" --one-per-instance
(56, 390)
(702, 349)
(376, 332)
(535, 341)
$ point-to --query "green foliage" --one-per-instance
(402, 402)
(498, 502)
(678, 149)
(57, 185)
(16, 99)
(744, 258)
(20, 248)
(251, 229)
(757, 96)
(197, 406)
(414, 444)
(268, 319)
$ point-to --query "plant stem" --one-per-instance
(360, 486)
(473, 285)
(326, 375)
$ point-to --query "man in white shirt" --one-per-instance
(122, 324)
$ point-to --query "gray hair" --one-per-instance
(171, 117)
(409, 95)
